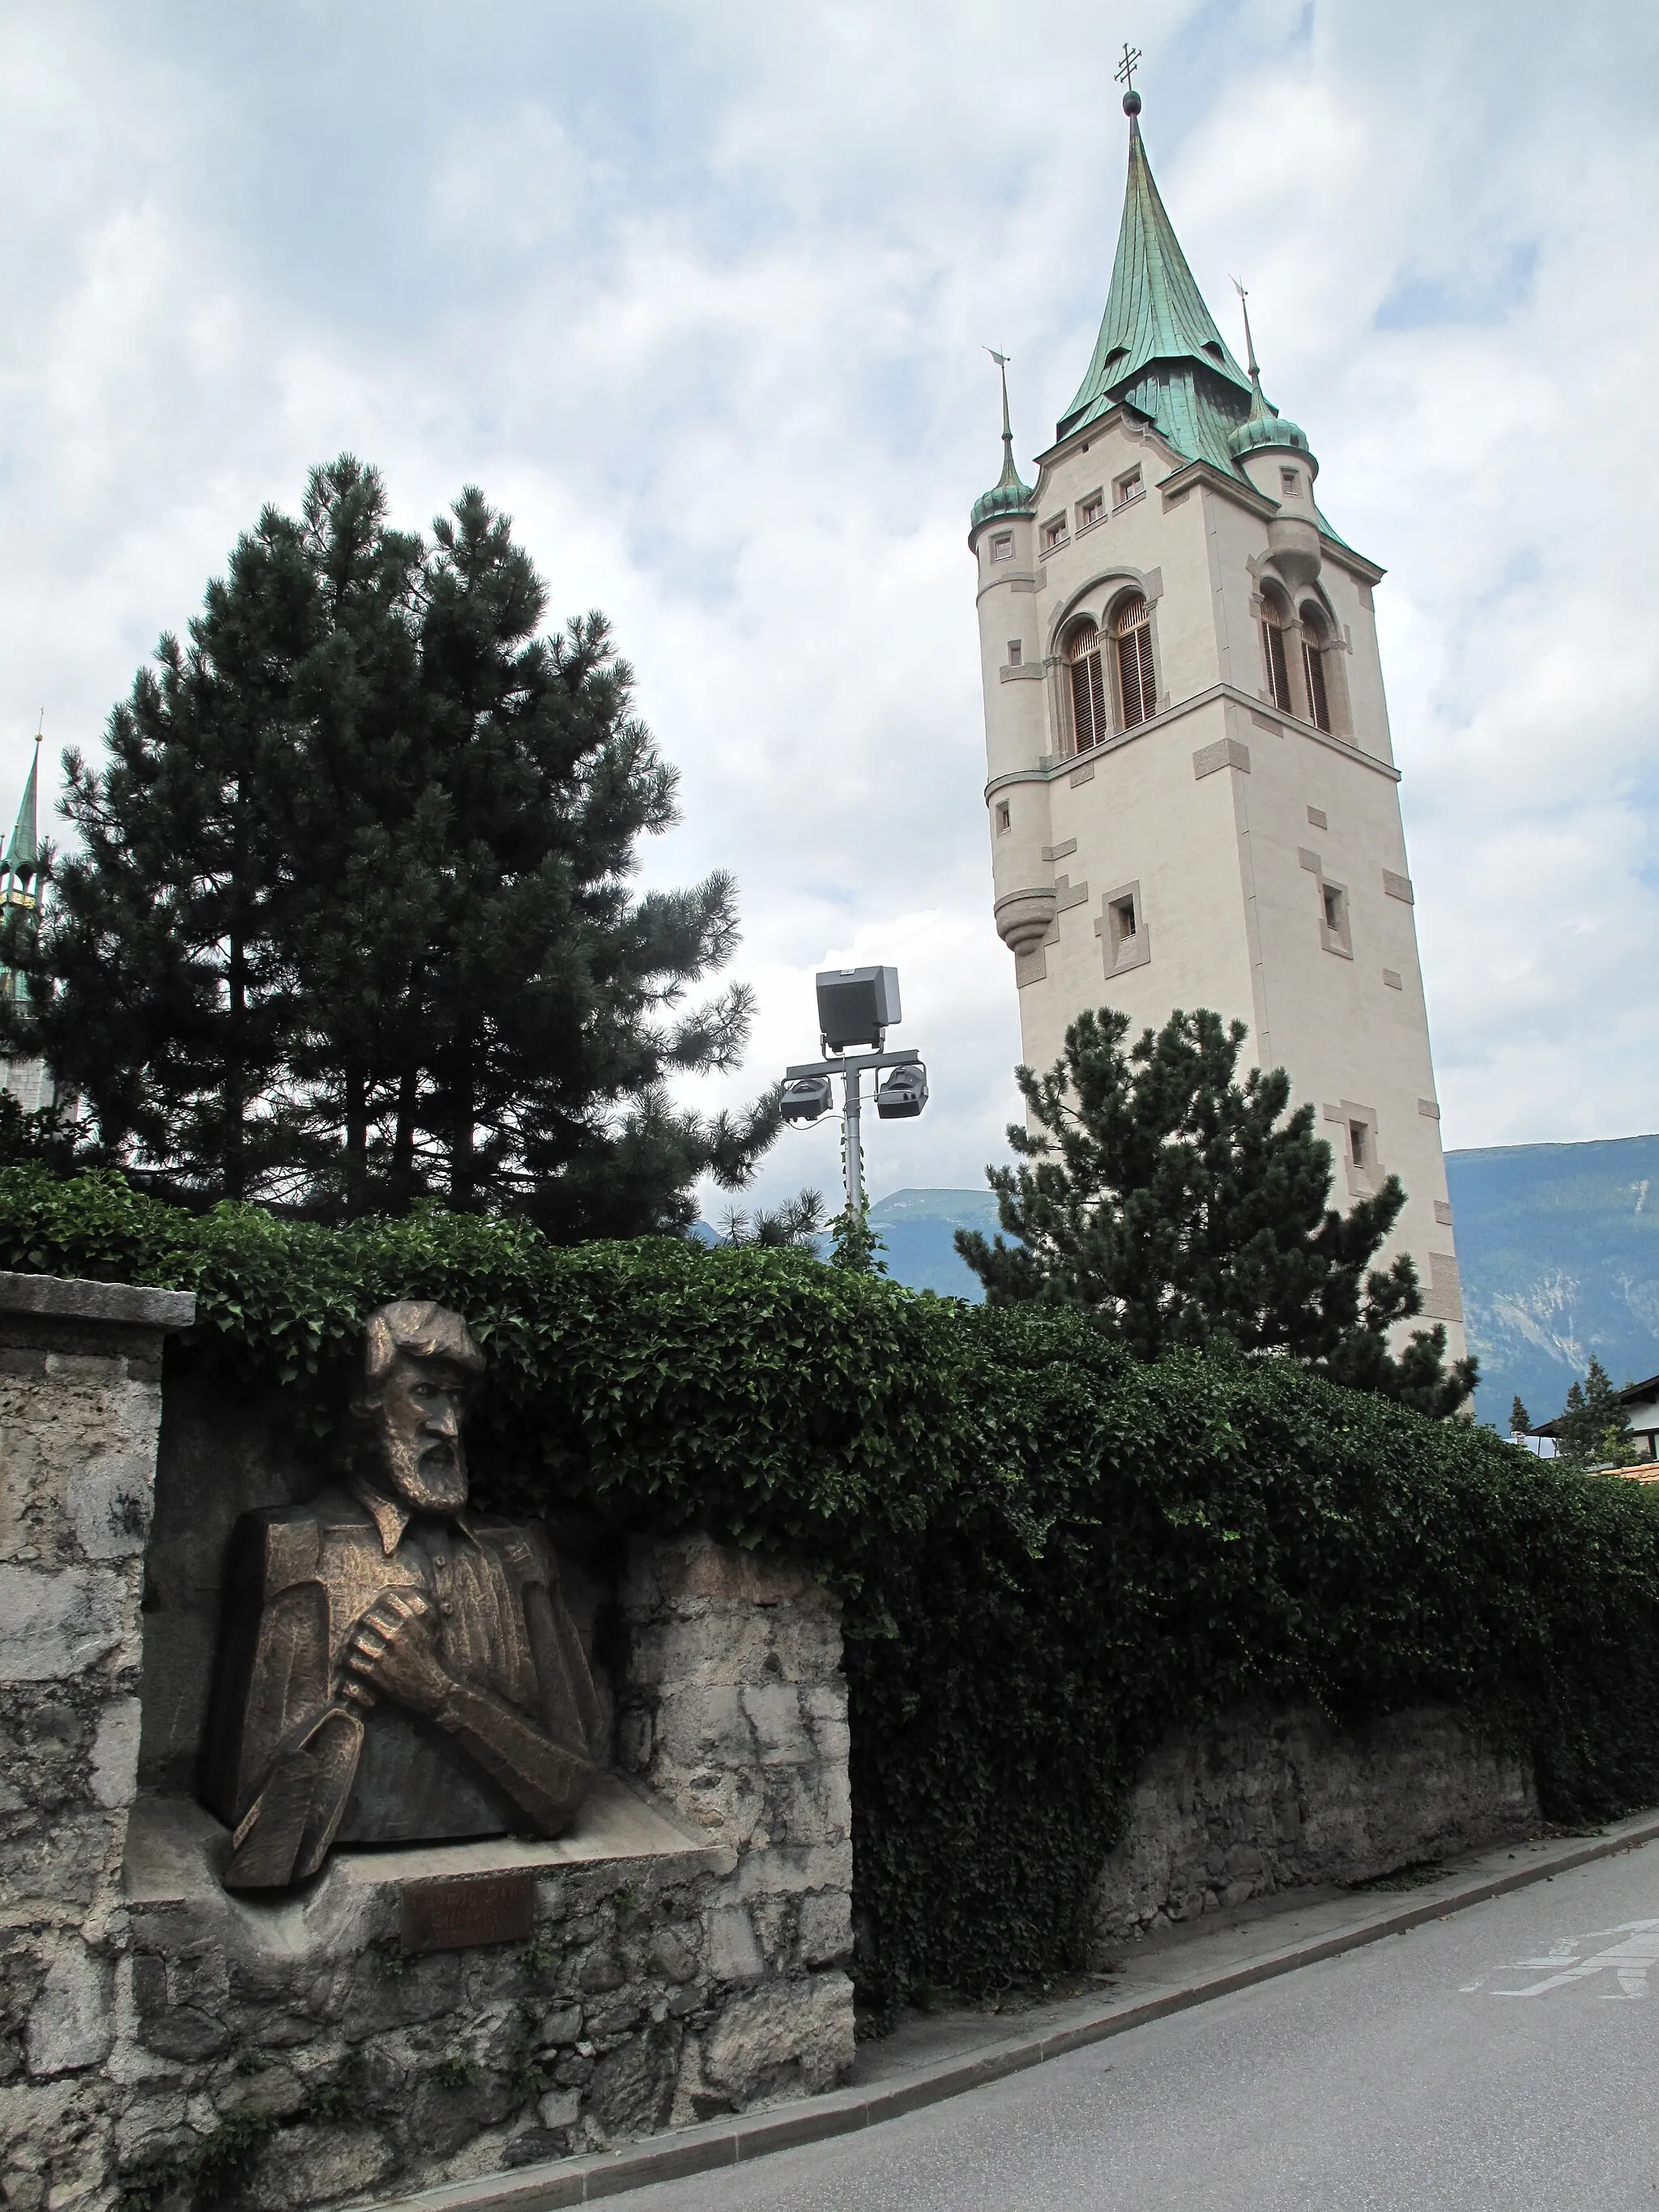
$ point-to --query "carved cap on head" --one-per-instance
(418, 1328)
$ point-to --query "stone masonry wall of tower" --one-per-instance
(1225, 850)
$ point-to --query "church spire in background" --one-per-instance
(21, 867)
(1156, 328)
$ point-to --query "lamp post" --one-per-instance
(856, 1006)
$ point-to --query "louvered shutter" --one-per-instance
(1136, 687)
(1318, 699)
(1279, 673)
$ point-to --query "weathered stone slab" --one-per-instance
(55, 1297)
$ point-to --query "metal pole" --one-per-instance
(853, 1144)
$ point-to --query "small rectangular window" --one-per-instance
(1358, 1140)
(1003, 816)
(1091, 510)
(1337, 933)
(1053, 533)
(1002, 545)
(1126, 940)
(1127, 487)
(1290, 480)
(1016, 653)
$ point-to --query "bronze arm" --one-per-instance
(547, 1781)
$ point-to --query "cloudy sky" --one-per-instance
(697, 290)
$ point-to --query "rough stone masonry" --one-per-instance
(80, 1406)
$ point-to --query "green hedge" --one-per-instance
(1049, 1554)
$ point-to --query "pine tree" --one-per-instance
(1179, 1207)
(351, 922)
(158, 989)
(1593, 1430)
(1520, 1419)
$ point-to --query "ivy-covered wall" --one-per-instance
(1049, 1555)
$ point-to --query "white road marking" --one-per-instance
(1573, 1959)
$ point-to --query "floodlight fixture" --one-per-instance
(902, 1092)
(806, 1099)
(857, 1006)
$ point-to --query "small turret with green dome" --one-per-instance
(1264, 426)
(1008, 495)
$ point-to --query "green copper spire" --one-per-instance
(18, 871)
(23, 853)
(1008, 495)
(1264, 425)
(1157, 338)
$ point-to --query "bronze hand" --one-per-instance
(394, 1651)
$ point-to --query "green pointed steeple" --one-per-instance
(1158, 349)
(1008, 495)
(18, 871)
(22, 857)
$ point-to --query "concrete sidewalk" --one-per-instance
(928, 2059)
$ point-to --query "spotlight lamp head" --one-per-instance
(805, 1100)
(857, 1006)
(902, 1092)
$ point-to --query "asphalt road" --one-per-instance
(1505, 2057)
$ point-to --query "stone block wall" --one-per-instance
(1258, 1802)
(733, 1709)
(79, 1407)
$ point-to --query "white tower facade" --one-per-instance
(1192, 794)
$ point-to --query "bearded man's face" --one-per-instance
(418, 1428)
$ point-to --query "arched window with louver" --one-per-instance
(1132, 637)
(1089, 725)
(1275, 616)
(1313, 642)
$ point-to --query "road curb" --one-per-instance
(843, 2112)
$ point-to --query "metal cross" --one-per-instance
(1127, 66)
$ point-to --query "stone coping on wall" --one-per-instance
(57, 1298)
(175, 1852)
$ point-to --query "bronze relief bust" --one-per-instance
(394, 1668)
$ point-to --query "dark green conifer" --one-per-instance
(1179, 1207)
(1593, 1429)
(351, 922)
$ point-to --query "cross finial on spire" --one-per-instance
(1125, 76)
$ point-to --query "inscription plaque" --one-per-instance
(454, 1914)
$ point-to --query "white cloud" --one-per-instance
(697, 293)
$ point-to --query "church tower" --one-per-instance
(1192, 795)
(30, 1081)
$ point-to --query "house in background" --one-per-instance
(1639, 1402)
